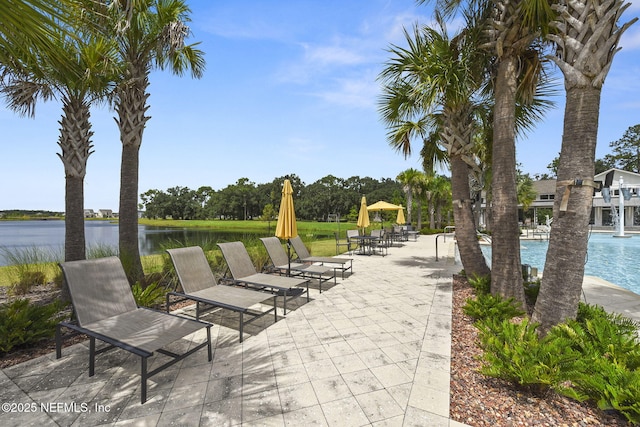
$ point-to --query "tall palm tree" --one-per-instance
(150, 33)
(512, 28)
(92, 57)
(429, 88)
(409, 179)
(587, 39)
(515, 26)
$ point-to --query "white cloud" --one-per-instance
(353, 92)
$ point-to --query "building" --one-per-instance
(105, 213)
(604, 212)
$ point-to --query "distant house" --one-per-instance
(89, 213)
(105, 213)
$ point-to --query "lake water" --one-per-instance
(48, 236)
(610, 258)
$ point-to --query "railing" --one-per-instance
(448, 227)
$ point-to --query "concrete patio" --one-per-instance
(374, 349)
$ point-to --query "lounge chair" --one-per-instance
(106, 310)
(343, 264)
(244, 272)
(199, 284)
(280, 264)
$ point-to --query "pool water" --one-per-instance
(615, 260)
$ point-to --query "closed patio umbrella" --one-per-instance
(400, 219)
(286, 227)
(363, 214)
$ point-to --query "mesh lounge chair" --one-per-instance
(281, 264)
(106, 310)
(305, 257)
(199, 284)
(244, 272)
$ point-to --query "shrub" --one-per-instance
(24, 323)
(151, 296)
(513, 352)
(27, 280)
(487, 306)
(481, 284)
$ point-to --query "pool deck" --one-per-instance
(372, 350)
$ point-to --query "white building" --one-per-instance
(603, 212)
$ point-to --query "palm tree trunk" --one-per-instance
(128, 222)
(131, 109)
(506, 270)
(564, 267)
(74, 236)
(470, 254)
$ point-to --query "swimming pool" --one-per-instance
(615, 260)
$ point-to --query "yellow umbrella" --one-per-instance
(287, 228)
(383, 206)
(400, 219)
(363, 215)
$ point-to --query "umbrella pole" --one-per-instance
(289, 257)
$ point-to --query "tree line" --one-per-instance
(326, 199)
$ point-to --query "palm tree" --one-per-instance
(409, 180)
(150, 33)
(513, 27)
(28, 30)
(87, 55)
(429, 89)
(587, 39)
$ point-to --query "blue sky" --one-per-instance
(290, 88)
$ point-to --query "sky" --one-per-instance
(290, 87)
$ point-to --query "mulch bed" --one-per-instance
(482, 401)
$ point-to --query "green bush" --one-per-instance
(24, 323)
(151, 296)
(487, 306)
(513, 352)
(595, 358)
(27, 280)
(481, 284)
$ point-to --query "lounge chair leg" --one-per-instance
(210, 354)
(58, 342)
(275, 308)
(143, 373)
(285, 303)
(241, 326)
(92, 356)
